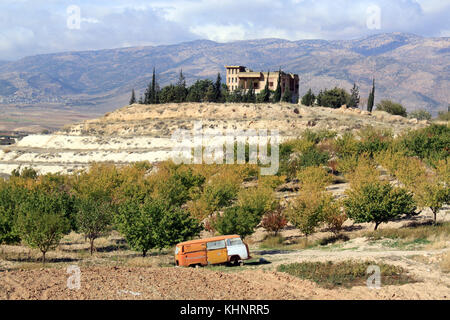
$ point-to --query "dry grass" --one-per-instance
(445, 263)
(346, 273)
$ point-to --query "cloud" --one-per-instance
(30, 27)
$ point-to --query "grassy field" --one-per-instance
(347, 274)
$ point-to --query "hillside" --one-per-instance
(409, 69)
(143, 132)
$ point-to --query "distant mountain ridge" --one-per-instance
(410, 69)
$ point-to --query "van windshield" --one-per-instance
(234, 242)
(177, 249)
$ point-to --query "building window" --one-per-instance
(271, 84)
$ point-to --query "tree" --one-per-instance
(274, 221)
(41, 222)
(218, 89)
(93, 218)
(10, 199)
(133, 97)
(265, 94)
(420, 114)
(236, 220)
(392, 108)
(354, 97)
(180, 88)
(309, 98)
(154, 224)
(431, 191)
(378, 202)
(277, 94)
(333, 98)
(287, 95)
(306, 210)
(151, 94)
(371, 99)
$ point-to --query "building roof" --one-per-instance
(249, 74)
(209, 239)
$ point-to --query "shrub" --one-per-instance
(306, 211)
(374, 140)
(257, 201)
(274, 221)
(333, 216)
(392, 108)
(333, 98)
(431, 143)
(314, 178)
(236, 220)
(443, 115)
(377, 202)
(420, 115)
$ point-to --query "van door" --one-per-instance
(235, 247)
(216, 252)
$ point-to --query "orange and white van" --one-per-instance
(215, 250)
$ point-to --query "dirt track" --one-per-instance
(204, 283)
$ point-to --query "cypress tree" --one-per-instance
(287, 96)
(266, 93)
(133, 97)
(277, 93)
(181, 90)
(308, 98)
(218, 89)
(371, 100)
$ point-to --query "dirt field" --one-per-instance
(116, 272)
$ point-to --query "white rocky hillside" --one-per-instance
(143, 132)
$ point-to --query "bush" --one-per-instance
(274, 221)
(374, 140)
(306, 210)
(392, 108)
(333, 98)
(430, 143)
(377, 202)
(420, 115)
(333, 216)
(236, 220)
(314, 178)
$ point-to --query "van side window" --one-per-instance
(234, 242)
(215, 245)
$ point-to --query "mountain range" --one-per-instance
(407, 68)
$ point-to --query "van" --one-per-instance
(215, 250)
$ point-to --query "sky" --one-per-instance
(29, 27)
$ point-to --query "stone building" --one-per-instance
(240, 76)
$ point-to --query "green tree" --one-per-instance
(277, 94)
(265, 93)
(154, 225)
(236, 220)
(218, 89)
(420, 115)
(392, 108)
(180, 88)
(93, 218)
(378, 202)
(41, 222)
(309, 98)
(354, 97)
(133, 97)
(371, 99)
(10, 199)
(333, 98)
(287, 95)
